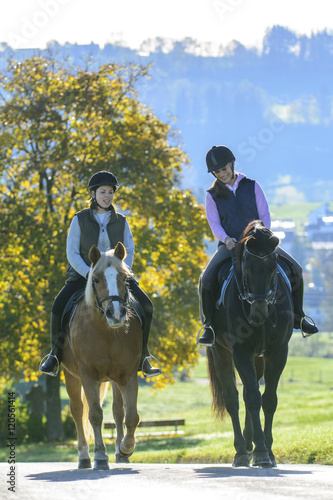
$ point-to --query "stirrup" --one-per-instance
(305, 335)
(147, 375)
(52, 374)
(214, 336)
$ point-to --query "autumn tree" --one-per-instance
(59, 125)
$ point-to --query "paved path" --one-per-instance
(37, 481)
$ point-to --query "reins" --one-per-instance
(270, 295)
(246, 296)
(110, 298)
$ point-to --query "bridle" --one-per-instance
(110, 298)
(270, 295)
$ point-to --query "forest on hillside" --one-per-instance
(273, 108)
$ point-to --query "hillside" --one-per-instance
(274, 109)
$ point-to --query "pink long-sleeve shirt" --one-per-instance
(213, 216)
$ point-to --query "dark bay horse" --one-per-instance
(252, 334)
(105, 345)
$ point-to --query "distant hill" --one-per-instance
(297, 212)
(275, 109)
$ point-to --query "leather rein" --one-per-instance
(270, 295)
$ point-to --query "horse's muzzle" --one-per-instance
(258, 312)
(115, 313)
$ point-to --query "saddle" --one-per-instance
(226, 272)
(71, 306)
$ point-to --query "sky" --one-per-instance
(32, 23)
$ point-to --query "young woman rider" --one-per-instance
(232, 202)
(102, 225)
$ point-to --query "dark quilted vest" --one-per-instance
(90, 233)
(238, 209)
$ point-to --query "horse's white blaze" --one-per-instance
(111, 279)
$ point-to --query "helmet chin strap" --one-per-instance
(95, 202)
(102, 208)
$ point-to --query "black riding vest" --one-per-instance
(90, 233)
(238, 209)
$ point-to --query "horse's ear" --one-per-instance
(250, 243)
(120, 251)
(94, 254)
(274, 241)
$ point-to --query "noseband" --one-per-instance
(110, 298)
(269, 295)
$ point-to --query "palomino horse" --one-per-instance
(105, 345)
(252, 334)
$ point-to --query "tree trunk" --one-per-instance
(54, 430)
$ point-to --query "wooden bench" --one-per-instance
(151, 423)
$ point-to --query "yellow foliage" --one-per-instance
(65, 125)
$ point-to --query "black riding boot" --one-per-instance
(300, 321)
(145, 366)
(57, 342)
(207, 306)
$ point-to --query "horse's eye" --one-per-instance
(96, 280)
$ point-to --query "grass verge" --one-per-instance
(303, 425)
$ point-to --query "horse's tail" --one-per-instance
(218, 403)
(88, 431)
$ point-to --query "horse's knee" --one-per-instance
(253, 400)
(96, 416)
(269, 403)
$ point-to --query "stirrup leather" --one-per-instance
(147, 375)
(304, 334)
(54, 373)
(199, 335)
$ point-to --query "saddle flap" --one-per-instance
(70, 309)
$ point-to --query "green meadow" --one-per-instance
(303, 425)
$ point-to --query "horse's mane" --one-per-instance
(107, 259)
(256, 231)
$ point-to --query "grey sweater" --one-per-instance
(73, 243)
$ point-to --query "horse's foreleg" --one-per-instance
(252, 398)
(118, 415)
(130, 396)
(273, 369)
(74, 390)
(92, 392)
(248, 429)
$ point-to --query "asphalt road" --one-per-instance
(165, 481)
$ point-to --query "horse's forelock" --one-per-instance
(108, 259)
(255, 233)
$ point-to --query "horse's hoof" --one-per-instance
(122, 459)
(101, 464)
(84, 463)
(241, 460)
(261, 460)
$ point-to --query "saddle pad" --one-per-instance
(224, 288)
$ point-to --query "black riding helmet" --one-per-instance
(218, 157)
(103, 178)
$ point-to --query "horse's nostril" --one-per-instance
(109, 313)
